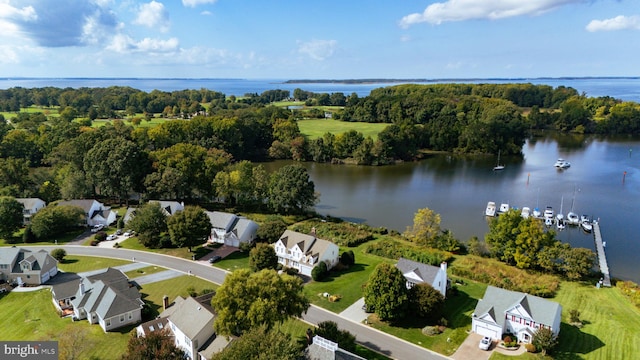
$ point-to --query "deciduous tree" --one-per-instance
(246, 300)
(426, 227)
(157, 345)
(262, 256)
(189, 227)
(386, 292)
(55, 220)
(261, 343)
(330, 331)
(544, 340)
(150, 223)
(11, 215)
(291, 190)
(426, 302)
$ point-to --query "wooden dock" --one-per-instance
(602, 258)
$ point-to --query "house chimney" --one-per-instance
(313, 231)
(443, 266)
(81, 285)
(165, 302)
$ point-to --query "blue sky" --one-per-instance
(331, 39)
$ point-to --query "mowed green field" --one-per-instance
(315, 128)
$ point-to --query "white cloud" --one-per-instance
(460, 10)
(317, 49)
(206, 12)
(617, 23)
(124, 44)
(194, 3)
(153, 15)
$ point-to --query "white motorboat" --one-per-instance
(491, 209)
(525, 212)
(585, 223)
(548, 213)
(560, 225)
(504, 207)
(560, 216)
(573, 218)
(548, 221)
(559, 162)
(536, 213)
(498, 167)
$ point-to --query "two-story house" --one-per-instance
(107, 299)
(26, 267)
(96, 212)
(304, 252)
(31, 207)
(504, 311)
(231, 229)
(419, 273)
(190, 322)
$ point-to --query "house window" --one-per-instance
(108, 322)
(121, 318)
(187, 340)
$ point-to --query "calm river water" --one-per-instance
(458, 188)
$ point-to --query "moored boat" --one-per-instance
(491, 209)
(585, 223)
(537, 213)
(525, 212)
(548, 213)
(504, 207)
(573, 218)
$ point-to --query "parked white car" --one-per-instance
(112, 237)
(97, 228)
(485, 343)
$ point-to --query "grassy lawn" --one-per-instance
(148, 270)
(199, 251)
(179, 286)
(76, 264)
(32, 316)
(315, 128)
(458, 309)
(347, 283)
(235, 261)
(62, 239)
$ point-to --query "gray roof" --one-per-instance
(497, 301)
(29, 203)
(40, 260)
(154, 325)
(191, 317)
(108, 294)
(170, 207)
(221, 220)
(425, 272)
(85, 204)
(64, 285)
(243, 225)
(309, 244)
(8, 254)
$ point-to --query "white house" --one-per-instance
(169, 207)
(190, 321)
(95, 211)
(419, 273)
(26, 267)
(107, 299)
(31, 207)
(231, 229)
(503, 311)
(304, 252)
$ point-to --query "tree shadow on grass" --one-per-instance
(335, 274)
(69, 261)
(573, 343)
(456, 307)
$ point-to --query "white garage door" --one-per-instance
(485, 330)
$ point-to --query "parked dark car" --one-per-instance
(214, 258)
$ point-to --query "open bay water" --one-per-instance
(627, 89)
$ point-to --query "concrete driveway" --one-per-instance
(469, 349)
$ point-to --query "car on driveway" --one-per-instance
(97, 228)
(112, 237)
(214, 258)
(485, 343)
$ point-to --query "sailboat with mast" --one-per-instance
(498, 167)
(536, 211)
(560, 217)
(573, 218)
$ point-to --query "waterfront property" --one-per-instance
(303, 252)
(503, 311)
(419, 273)
(28, 267)
(190, 322)
(231, 229)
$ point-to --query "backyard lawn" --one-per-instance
(179, 286)
(76, 263)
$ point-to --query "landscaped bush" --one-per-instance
(291, 271)
(631, 290)
(393, 249)
(530, 348)
(94, 242)
(431, 330)
(498, 274)
(319, 272)
(100, 236)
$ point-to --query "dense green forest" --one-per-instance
(200, 143)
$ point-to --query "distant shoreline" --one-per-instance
(444, 80)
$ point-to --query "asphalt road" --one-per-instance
(386, 344)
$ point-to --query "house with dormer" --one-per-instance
(304, 252)
(107, 299)
(418, 273)
(190, 323)
(96, 212)
(26, 267)
(231, 229)
(31, 207)
(503, 311)
(169, 207)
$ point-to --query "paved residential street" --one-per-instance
(386, 344)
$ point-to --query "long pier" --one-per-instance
(602, 258)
